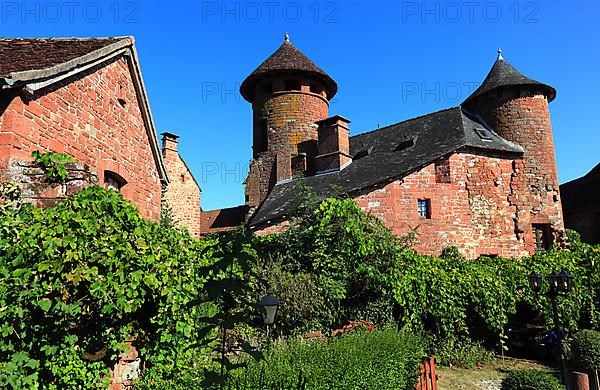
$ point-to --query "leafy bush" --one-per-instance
(374, 360)
(530, 380)
(335, 251)
(585, 350)
(463, 353)
(78, 279)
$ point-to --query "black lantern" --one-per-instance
(268, 306)
(566, 281)
(560, 282)
(555, 284)
(535, 282)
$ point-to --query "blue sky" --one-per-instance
(392, 60)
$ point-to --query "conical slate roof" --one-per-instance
(504, 74)
(287, 60)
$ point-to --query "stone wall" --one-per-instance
(94, 117)
(183, 192)
(474, 205)
(521, 114)
(37, 190)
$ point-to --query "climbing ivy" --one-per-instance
(79, 279)
(54, 165)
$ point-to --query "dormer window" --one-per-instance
(113, 180)
(484, 134)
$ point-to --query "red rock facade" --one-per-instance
(93, 116)
(483, 201)
(183, 193)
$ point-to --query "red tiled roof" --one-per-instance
(19, 54)
(222, 220)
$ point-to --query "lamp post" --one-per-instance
(268, 305)
(561, 282)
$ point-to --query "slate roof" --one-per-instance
(582, 193)
(288, 59)
(504, 74)
(388, 154)
(19, 54)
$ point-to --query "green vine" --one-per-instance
(54, 165)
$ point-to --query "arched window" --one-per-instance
(114, 180)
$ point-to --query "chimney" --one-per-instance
(169, 145)
(283, 161)
(334, 144)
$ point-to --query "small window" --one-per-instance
(362, 153)
(484, 134)
(424, 208)
(541, 236)
(292, 85)
(113, 180)
(183, 177)
(406, 144)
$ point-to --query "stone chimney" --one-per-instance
(169, 145)
(334, 144)
(284, 166)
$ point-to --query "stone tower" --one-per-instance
(289, 95)
(516, 107)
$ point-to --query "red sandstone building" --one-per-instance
(86, 98)
(481, 176)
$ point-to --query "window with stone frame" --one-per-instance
(424, 208)
(113, 180)
(541, 236)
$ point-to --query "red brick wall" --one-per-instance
(473, 208)
(83, 118)
(522, 116)
(284, 125)
(183, 193)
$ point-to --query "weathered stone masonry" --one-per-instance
(94, 117)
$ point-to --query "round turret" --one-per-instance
(516, 107)
(289, 93)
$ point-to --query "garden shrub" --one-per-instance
(585, 350)
(530, 380)
(78, 279)
(337, 251)
(385, 359)
(463, 353)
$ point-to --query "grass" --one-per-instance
(487, 377)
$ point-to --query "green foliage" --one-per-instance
(585, 350)
(167, 216)
(463, 353)
(375, 360)
(334, 252)
(451, 296)
(53, 164)
(80, 278)
(530, 380)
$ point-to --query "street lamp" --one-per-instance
(268, 306)
(560, 282)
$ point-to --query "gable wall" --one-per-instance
(83, 118)
(183, 193)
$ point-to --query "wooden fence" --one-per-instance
(427, 375)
